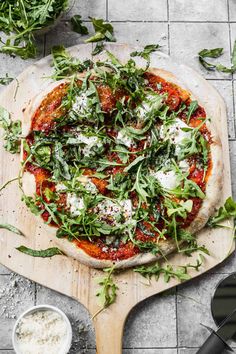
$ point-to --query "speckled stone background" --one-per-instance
(170, 323)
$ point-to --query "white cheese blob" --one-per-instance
(80, 103)
(90, 187)
(184, 165)
(167, 180)
(152, 101)
(76, 204)
(174, 132)
(60, 187)
(109, 211)
(89, 141)
(122, 138)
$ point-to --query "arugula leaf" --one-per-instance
(107, 292)
(216, 53)
(191, 109)
(64, 64)
(145, 53)
(5, 80)
(140, 185)
(103, 31)
(227, 211)
(49, 252)
(77, 25)
(168, 271)
(98, 48)
(31, 204)
(12, 131)
(181, 208)
(211, 53)
(12, 229)
(134, 163)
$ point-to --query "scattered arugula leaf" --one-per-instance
(98, 48)
(8, 182)
(180, 272)
(11, 228)
(227, 211)
(12, 131)
(49, 252)
(145, 53)
(6, 80)
(103, 31)
(77, 25)
(216, 53)
(108, 289)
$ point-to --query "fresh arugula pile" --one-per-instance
(20, 20)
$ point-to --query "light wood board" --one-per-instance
(66, 275)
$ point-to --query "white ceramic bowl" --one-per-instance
(68, 339)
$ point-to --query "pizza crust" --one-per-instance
(213, 104)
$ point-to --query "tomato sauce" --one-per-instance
(100, 250)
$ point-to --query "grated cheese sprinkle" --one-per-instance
(41, 332)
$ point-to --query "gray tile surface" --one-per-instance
(201, 10)
(17, 294)
(137, 10)
(142, 33)
(144, 323)
(232, 10)
(86, 9)
(168, 324)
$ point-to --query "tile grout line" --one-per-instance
(232, 82)
(106, 10)
(168, 26)
(176, 315)
(157, 21)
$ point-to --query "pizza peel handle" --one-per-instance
(109, 333)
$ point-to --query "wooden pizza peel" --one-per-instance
(66, 275)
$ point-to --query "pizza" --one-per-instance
(123, 164)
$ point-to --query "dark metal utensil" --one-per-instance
(223, 309)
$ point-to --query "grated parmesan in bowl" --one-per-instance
(42, 329)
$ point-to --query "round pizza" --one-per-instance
(121, 163)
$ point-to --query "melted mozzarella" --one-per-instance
(184, 165)
(167, 180)
(76, 204)
(152, 101)
(174, 132)
(60, 187)
(124, 139)
(108, 210)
